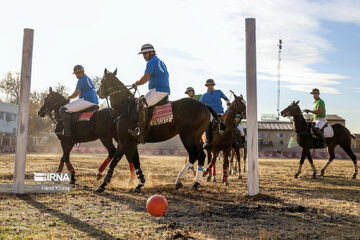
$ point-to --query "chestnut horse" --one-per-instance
(342, 137)
(223, 140)
(100, 126)
(190, 120)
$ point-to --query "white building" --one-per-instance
(8, 119)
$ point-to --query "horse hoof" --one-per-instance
(313, 176)
(100, 190)
(73, 180)
(214, 179)
(354, 176)
(208, 179)
(195, 186)
(98, 175)
(178, 185)
(226, 183)
(239, 177)
(322, 174)
(296, 175)
(136, 190)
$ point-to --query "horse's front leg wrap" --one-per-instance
(109, 174)
(140, 177)
(184, 171)
(104, 164)
(199, 174)
(132, 170)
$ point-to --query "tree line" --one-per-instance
(10, 87)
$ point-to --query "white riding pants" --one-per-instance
(320, 123)
(78, 105)
(153, 97)
(241, 129)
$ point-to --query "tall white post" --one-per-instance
(251, 108)
(23, 114)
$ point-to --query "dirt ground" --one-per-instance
(286, 208)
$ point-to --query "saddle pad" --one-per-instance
(162, 114)
(85, 116)
(328, 132)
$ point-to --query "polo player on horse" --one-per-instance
(85, 89)
(158, 77)
(320, 116)
(212, 98)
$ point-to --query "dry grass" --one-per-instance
(287, 208)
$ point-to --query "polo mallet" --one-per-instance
(282, 149)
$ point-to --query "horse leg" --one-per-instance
(225, 167)
(213, 167)
(118, 155)
(61, 164)
(237, 155)
(311, 163)
(208, 169)
(190, 147)
(245, 156)
(111, 152)
(232, 168)
(351, 154)
(200, 171)
(303, 155)
(67, 146)
(331, 158)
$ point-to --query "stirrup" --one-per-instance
(134, 133)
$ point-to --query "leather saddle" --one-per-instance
(133, 114)
(312, 126)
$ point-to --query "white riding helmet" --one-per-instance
(146, 48)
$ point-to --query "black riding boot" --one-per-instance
(66, 118)
(141, 130)
(208, 134)
(322, 141)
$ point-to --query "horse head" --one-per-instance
(238, 106)
(52, 102)
(291, 110)
(111, 85)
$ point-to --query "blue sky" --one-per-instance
(197, 40)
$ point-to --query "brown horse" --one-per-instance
(235, 167)
(190, 120)
(342, 137)
(223, 140)
(100, 126)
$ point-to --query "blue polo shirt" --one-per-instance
(213, 100)
(159, 75)
(87, 89)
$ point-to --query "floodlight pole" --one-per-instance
(23, 114)
(251, 108)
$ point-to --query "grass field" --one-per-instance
(286, 208)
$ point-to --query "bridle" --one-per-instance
(53, 107)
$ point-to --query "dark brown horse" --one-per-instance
(305, 139)
(190, 120)
(223, 140)
(100, 126)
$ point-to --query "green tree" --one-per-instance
(10, 86)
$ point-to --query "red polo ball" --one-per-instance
(156, 205)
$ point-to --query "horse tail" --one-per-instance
(214, 114)
(353, 136)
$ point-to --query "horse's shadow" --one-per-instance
(334, 180)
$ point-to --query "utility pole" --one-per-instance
(278, 92)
